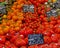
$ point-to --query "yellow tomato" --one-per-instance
(4, 16)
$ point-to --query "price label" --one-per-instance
(35, 39)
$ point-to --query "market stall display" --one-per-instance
(29, 23)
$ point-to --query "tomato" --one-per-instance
(54, 37)
(7, 43)
(58, 21)
(51, 45)
(33, 46)
(13, 38)
(21, 36)
(20, 42)
(1, 45)
(47, 39)
(55, 45)
(26, 40)
(44, 46)
(43, 12)
(46, 0)
(53, 22)
(23, 47)
(8, 36)
(42, 7)
(47, 33)
(26, 31)
(13, 46)
(38, 31)
(41, 16)
(2, 39)
(39, 1)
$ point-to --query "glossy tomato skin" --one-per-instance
(2, 39)
(55, 37)
(21, 36)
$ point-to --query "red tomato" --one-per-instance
(54, 37)
(47, 39)
(26, 31)
(55, 45)
(57, 30)
(43, 12)
(26, 40)
(58, 21)
(13, 38)
(39, 31)
(46, 0)
(33, 46)
(42, 7)
(41, 16)
(20, 42)
(8, 36)
(47, 33)
(2, 45)
(12, 32)
(51, 45)
(44, 46)
(21, 36)
(13, 46)
(2, 39)
(39, 1)
(7, 43)
(23, 47)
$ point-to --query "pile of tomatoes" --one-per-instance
(17, 25)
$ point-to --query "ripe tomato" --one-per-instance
(26, 31)
(44, 46)
(47, 33)
(47, 39)
(54, 37)
(20, 42)
(7, 43)
(58, 21)
(2, 39)
(33, 46)
(13, 38)
(26, 40)
(23, 47)
(21, 36)
(1, 45)
(55, 45)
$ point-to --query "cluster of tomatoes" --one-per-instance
(17, 25)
